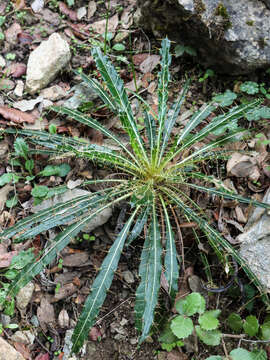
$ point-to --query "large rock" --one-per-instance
(8, 352)
(255, 243)
(97, 221)
(230, 36)
(45, 62)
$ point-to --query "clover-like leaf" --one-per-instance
(251, 325)
(235, 322)
(265, 330)
(214, 357)
(182, 327)
(225, 99)
(209, 337)
(208, 320)
(240, 354)
(258, 113)
(250, 87)
(191, 304)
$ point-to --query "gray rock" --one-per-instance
(24, 296)
(8, 352)
(45, 62)
(3, 149)
(97, 221)
(53, 93)
(255, 243)
(2, 62)
(230, 36)
(128, 277)
(23, 337)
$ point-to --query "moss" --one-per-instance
(250, 22)
(222, 11)
(199, 6)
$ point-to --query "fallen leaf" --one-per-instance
(19, 5)
(63, 319)
(6, 84)
(243, 166)
(25, 38)
(11, 34)
(45, 313)
(27, 105)
(149, 63)
(3, 195)
(81, 12)
(139, 58)
(16, 116)
(16, 70)
(43, 357)
(100, 26)
(5, 259)
(64, 9)
(176, 355)
(78, 259)
(95, 333)
(92, 7)
(64, 292)
(23, 349)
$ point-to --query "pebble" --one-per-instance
(53, 93)
(8, 351)
(18, 91)
(128, 277)
(23, 337)
(2, 61)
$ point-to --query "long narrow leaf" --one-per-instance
(116, 88)
(99, 288)
(78, 116)
(150, 126)
(163, 82)
(154, 274)
(138, 226)
(215, 239)
(171, 119)
(170, 262)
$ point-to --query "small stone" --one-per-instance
(128, 277)
(23, 337)
(18, 91)
(4, 148)
(53, 93)
(81, 12)
(2, 62)
(8, 352)
(133, 341)
(24, 296)
(44, 63)
(5, 319)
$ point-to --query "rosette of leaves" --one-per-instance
(156, 170)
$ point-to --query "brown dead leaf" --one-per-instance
(11, 34)
(16, 116)
(92, 7)
(64, 9)
(243, 166)
(16, 70)
(25, 38)
(78, 259)
(176, 355)
(6, 84)
(64, 292)
(100, 26)
(149, 63)
(139, 58)
(95, 333)
(19, 4)
(23, 349)
(63, 319)
(45, 313)
(5, 259)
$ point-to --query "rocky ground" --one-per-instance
(41, 43)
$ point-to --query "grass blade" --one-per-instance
(170, 262)
(99, 288)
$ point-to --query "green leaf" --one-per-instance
(258, 113)
(59, 170)
(116, 88)
(154, 267)
(209, 337)
(167, 336)
(21, 148)
(182, 326)
(265, 330)
(225, 99)
(24, 257)
(214, 357)
(191, 304)
(240, 354)
(208, 320)
(170, 261)
(39, 191)
(259, 354)
(99, 288)
(8, 178)
(251, 325)
(119, 47)
(250, 87)
(29, 165)
(235, 322)
(138, 227)
(10, 203)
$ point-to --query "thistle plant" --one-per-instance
(157, 171)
